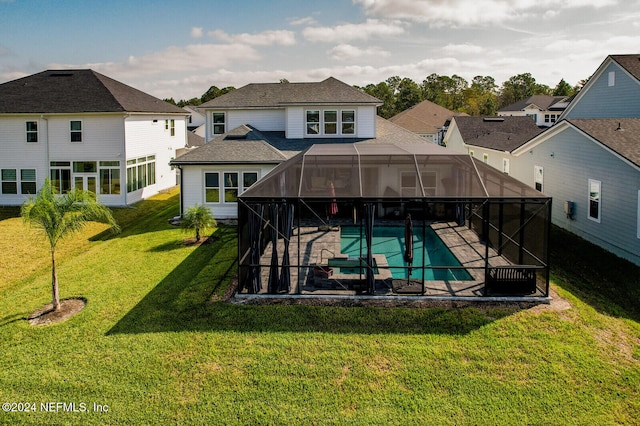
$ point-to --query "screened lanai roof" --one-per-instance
(360, 170)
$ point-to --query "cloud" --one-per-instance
(347, 32)
(303, 21)
(343, 52)
(266, 38)
(196, 32)
(189, 58)
(441, 13)
(462, 49)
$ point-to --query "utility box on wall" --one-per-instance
(569, 207)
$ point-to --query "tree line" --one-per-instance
(482, 96)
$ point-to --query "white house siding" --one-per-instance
(17, 154)
(266, 120)
(144, 137)
(294, 123)
(193, 186)
(366, 121)
(575, 160)
(604, 101)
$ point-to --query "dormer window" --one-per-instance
(330, 122)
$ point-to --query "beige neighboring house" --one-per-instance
(426, 119)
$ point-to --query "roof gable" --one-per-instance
(542, 102)
(277, 95)
(498, 133)
(76, 91)
(425, 117)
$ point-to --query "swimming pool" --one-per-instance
(389, 240)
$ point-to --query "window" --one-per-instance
(550, 118)
(219, 122)
(505, 165)
(429, 181)
(172, 124)
(61, 176)
(248, 179)
(313, 122)
(595, 206)
(76, 130)
(348, 122)
(85, 167)
(231, 187)
(28, 181)
(408, 184)
(212, 187)
(141, 172)
(538, 178)
(109, 177)
(330, 122)
(612, 78)
(166, 124)
(32, 131)
(9, 181)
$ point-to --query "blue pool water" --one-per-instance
(389, 240)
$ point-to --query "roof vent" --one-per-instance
(619, 129)
(497, 119)
(236, 137)
(61, 74)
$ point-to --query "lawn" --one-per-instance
(156, 345)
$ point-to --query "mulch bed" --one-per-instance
(46, 315)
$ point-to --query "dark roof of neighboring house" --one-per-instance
(631, 63)
(246, 144)
(425, 117)
(194, 140)
(498, 133)
(270, 95)
(621, 135)
(544, 102)
(76, 91)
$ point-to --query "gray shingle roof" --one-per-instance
(76, 91)
(245, 144)
(622, 135)
(542, 101)
(499, 133)
(631, 63)
(425, 117)
(272, 95)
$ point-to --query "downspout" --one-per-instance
(181, 191)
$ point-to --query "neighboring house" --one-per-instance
(85, 130)
(195, 118)
(252, 129)
(543, 109)
(427, 119)
(490, 139)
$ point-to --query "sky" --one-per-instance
(179, 49)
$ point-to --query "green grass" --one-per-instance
(156, 345)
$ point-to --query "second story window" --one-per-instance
(172, 128)
(348, 122)
(32, 131)
(330, 122)
(76, 130)
(219, 122)
(313, 122)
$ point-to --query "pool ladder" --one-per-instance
(322, 253)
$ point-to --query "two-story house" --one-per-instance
(85, 130)
(256, 127)
(589, 162)
(545, 110)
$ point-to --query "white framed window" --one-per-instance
(330, 122)
(595, 200)
(212, 187)
(409, 185)
(219, 122)
(172, 127)
(429, 182)
(60, 176)
(550, 118)
(28, 181)
(612, 78)
(538, 178)
(75, 129)
(231, 187)
(141, 172)
(32, 131)
(9, 180)
(506, 165)
(109, 177)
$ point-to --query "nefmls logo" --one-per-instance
(65, 407)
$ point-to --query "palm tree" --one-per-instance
(198, 217)
(60, 215)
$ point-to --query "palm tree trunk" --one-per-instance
(54, 282)
(197, 234)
